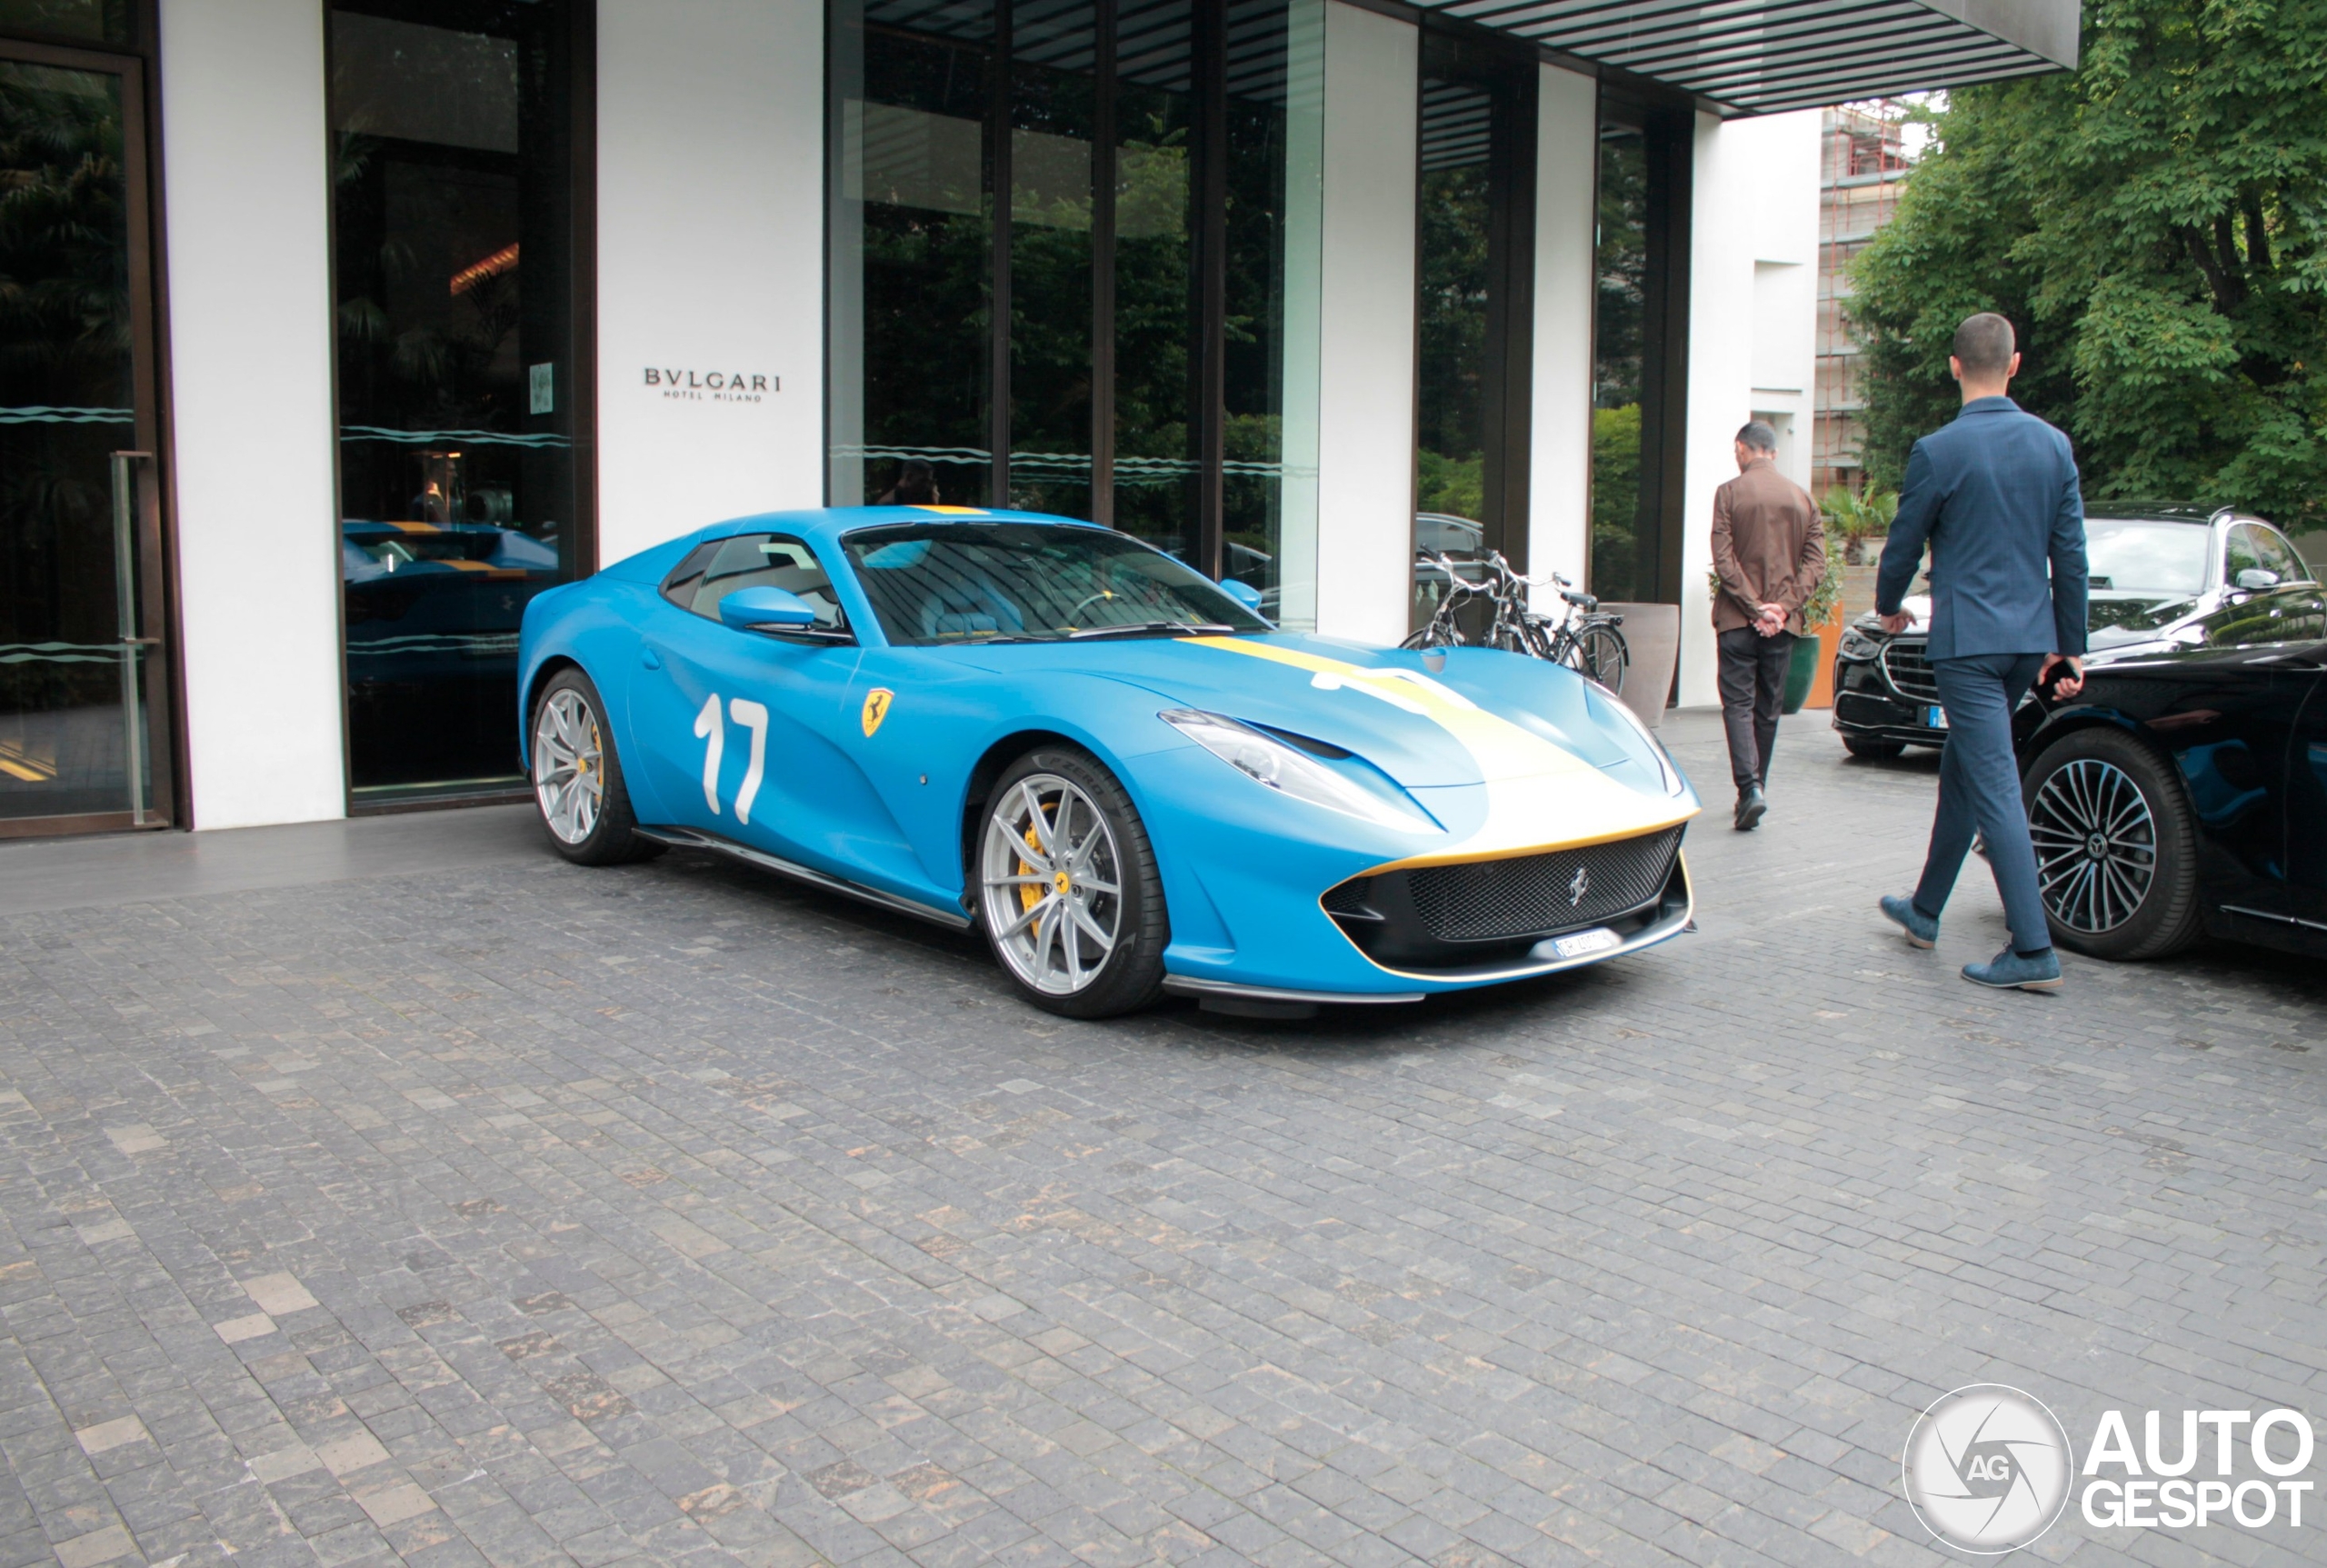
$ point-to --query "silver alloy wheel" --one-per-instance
(569, 766)
(2096, 845)
(1052, 883)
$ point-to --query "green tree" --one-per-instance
(2155, 226)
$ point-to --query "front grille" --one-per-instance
(1906, 661)
(1481, 900)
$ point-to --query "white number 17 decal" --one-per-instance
(710, 726)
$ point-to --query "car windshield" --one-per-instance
(934, 583)
(2160, 560)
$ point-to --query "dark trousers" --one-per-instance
(1752, 689)
(1979, 785)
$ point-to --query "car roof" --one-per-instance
(827, 524)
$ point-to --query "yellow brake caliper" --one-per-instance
(1029, 894)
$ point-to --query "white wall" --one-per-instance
(1365, 439)
(710, 150)
(1567, 163)
(247, 238)
(1753, 323)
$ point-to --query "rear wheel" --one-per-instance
(1069, 893)
(1604, 655)
(2116, 847)
(577, 779)
(1874, 751)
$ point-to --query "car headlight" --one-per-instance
(1285, 768)
(1857, 644)
(1674, 783)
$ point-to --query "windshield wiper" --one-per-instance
(1142, 628)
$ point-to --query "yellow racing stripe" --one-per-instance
(1539, 796)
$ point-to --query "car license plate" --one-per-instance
(1586, 942)
(1936, 716)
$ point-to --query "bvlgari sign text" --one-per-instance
(712, 385)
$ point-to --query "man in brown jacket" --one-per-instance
(1769, 550)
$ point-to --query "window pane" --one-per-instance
(452, 182)
(1623, 542)
(1275, 137)
(104, 21)
(911, 268)
(1052, 107)
(66, 403)
(1450, 423)
(1157, 425)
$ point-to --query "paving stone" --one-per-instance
(524, 1214)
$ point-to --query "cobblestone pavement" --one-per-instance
(520, 1214)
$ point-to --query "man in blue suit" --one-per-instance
(1995, 495)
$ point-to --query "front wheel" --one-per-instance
(1069, 894)
(2116, 847)
(577, 779)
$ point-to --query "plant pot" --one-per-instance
(1653, 636)
(1809, 657)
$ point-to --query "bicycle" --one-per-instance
(1583, 639)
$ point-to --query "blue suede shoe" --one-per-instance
(1922, 929)
(2007, 971)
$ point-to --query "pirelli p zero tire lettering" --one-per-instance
(1067, 888)
(577, 778)
(2116, 846)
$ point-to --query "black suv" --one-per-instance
(2164, 579)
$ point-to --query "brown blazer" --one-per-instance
(1769, 548)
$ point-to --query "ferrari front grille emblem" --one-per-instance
(1579, 887)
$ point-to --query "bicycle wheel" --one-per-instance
(1604, 655)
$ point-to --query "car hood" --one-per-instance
(1560, 765)
(2115, 619)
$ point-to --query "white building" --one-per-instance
(401, 309)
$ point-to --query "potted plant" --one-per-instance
(1808, 651)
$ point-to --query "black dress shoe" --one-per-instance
(1750, 807)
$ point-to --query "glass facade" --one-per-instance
(1640, 329)
(452, 181)
(1474, 231)
(82, 744)
(1131, 336)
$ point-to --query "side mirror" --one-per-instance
(2254, 579)
(765, 610)
(1243, 593)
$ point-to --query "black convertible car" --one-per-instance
(2185, 791)
(2164, 579)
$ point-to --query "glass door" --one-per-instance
(84, 694)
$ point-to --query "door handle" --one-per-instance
(648, 657)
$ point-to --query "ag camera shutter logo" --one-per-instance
(1987, 1468)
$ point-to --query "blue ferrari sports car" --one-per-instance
(1108, 763)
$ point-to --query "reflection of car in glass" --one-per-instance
(1109, 763)
(425, 601)
(2164, 578)
(2184, 791)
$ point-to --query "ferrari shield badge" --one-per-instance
(876, 708)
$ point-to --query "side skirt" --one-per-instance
(690, 838)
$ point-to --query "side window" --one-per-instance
(757, 561)
(687, 575)
(2239, 555)
(2278, 556)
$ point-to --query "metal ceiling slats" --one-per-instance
(1763, 56)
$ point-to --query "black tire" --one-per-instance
(1605, 655)
(1874, 751)
(2137, 896)
(1127, 976)
(611, 836)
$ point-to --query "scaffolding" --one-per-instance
(1862, 168)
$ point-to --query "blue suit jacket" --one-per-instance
(1995, 495)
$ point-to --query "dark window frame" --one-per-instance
(1507, 69)
(580, 389)
(137, 59)
(1667, 123)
